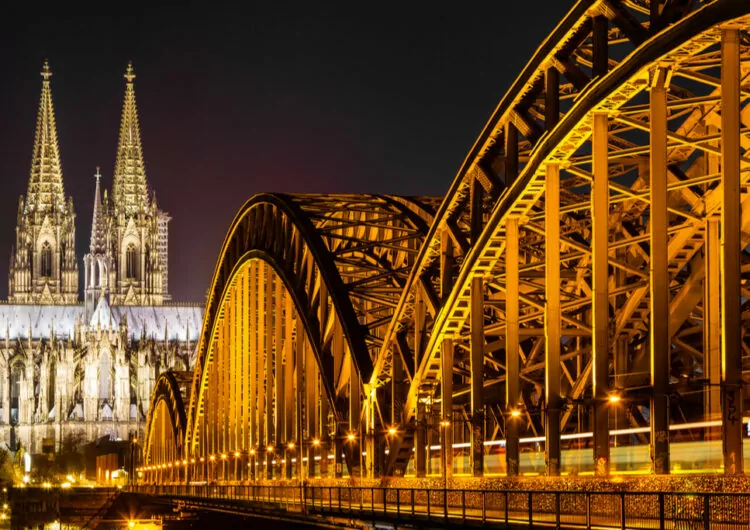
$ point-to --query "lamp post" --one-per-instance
(133, 443)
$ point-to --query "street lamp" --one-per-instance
(351, 437)
(133, 444)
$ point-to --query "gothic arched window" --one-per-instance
(130, 262)
(45, 267)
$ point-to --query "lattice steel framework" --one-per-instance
(591, 249)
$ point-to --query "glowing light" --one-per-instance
(392, 431)
(252, 452)
(131, 524)
(203, 459)
(316, 441)
(192, 460)
(515, 413)
(269, 449)
(351, 436)
(236, 454)
(290, 445)
(212, 458)
(223, 456)
(445, 423)
(614, 398)
(65, 485)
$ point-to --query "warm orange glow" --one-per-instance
(212, 458)
(236, 454)
(316, 442)
(614, 398)
(392, 431)
(290, 445)
(223, 456)
(269, 449)
(192, 460)
(351, 436)
(515, 413)
(203, 459)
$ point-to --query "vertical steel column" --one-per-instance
(338, 359)
(270, 369)
(477, 376)
(311, 407)
(731, 317)
(511, 154)
(600, 302)
(299, 367)
(447, 262)
(600, 39)
(252, 384)
(659, 262)
(712, 319)
(446, 402)
(278, 365)
(420, 441)
(552, 318)
(355, 409)
(512, 377)
(551, 98)
(246, 353)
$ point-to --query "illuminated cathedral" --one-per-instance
(87, 369)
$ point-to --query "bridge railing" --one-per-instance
(567, 509)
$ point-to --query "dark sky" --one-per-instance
(316, 97)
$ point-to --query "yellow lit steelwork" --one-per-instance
(591, 241)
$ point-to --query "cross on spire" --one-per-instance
(129, 73)
(46, 72)
(97, 175)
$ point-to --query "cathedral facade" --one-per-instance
(87, 369)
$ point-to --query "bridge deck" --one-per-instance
(560, 509)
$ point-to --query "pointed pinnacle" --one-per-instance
(46, 72)
(129, 73)
(97, 175)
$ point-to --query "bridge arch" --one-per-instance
(301, 290)
(163, 446)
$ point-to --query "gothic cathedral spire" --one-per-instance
(139, 230)
(43, 263)
(130, 188)
(98, 262)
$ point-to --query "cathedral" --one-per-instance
(82, 370)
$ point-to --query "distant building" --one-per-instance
(69, 368)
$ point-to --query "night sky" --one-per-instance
(317, 97)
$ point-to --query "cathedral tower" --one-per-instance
(43, 267)
(98, 262)
(138, 244)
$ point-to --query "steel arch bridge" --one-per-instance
(584, 280)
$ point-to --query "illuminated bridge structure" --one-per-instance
(580, 293)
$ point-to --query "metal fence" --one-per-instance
(559, 509)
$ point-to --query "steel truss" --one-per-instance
(590, 250)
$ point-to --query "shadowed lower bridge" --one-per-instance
(576, 303)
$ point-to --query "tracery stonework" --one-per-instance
(72, 368)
